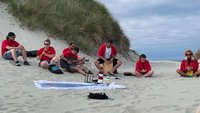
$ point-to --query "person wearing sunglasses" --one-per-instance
(189, 66)
(143, 67)
(11, 49)
(45, 54)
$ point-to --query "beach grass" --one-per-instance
(86, 22)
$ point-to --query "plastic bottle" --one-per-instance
(100, 78)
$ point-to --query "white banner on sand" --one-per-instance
(44, 84)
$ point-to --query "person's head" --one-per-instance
(109, 43)
(71, 45)
(11, 36)
(75, 50)
(47, 43)
(143, 58)
(189, 53)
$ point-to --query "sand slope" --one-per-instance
(164, 93)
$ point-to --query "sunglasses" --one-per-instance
(188, 54)
(46, 44)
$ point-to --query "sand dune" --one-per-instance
(163, 93)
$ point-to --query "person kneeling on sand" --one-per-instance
(189, 66)
(46, 54)
(11, 49)
(69, 61)
(143, 67)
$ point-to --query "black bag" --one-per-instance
(97, 96)
(32, 53)
(54, 69)
(128, 74)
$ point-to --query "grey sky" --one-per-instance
(162, 29)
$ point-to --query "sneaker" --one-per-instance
(17, 63)
(26, 63)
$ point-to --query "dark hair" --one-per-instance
(76, 49)
(71, 43)
(190, 51)
(47, 40)
(143, 56)
(10, 34)
(110, 41)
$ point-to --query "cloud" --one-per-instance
(154, 26)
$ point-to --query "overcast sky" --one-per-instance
(162, 29)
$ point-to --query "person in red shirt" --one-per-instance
(69, 60)
(71, 46)
(143, 67)
(107, 53)
(46, 54)
(11, 50)
(189, 66)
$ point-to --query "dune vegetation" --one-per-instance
(85, 22)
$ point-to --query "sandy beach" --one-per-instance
(165, 92)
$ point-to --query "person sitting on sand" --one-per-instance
(189, 66)
(11, 50)
(69, 61)
(143, 67)
(107, 53)
(46, 54)
(71, 46)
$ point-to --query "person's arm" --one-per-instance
(182, 66)
(16, 45)
(40, 56)
(137, 68)
(66, 60)
(40, 53)
(196, 65)
(49, 55)
(52, 54)
(104, 59)
(9, 47)
(148, 66)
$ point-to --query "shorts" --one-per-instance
(143, 73)
(8, 54)
(101, 61)
(68, 67)
(42, 61)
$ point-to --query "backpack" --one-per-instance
(54, 69)
(32, 53)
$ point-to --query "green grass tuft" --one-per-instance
(85, 22)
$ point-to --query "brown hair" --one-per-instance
(188, 51)
(47, 40)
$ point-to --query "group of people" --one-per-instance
(70, 61)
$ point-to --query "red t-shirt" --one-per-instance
(49, 51)
(6, 43)
(66, 49)
(70, 55)
(102, 50)
(193, 64)
(140, 66)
